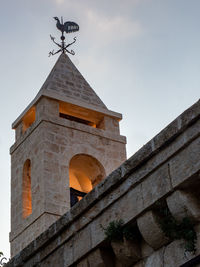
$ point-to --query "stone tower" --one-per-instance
(66, 142)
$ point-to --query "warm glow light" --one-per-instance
(80, 114)
(26, 190)
(85, 172)
(79, 181)
(28, 119)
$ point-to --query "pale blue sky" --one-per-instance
(142, 57)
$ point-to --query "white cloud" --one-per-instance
(59, 2)
(112, 28)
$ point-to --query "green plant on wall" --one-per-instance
(178, 230)
(116, 231)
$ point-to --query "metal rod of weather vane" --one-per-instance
(62, 37)
(63, 42)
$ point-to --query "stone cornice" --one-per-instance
(69, 124)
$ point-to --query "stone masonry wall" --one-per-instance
(165, 170)
(50, 143)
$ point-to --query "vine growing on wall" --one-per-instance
(116, 231)
(178, 230)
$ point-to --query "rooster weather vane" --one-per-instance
(67, 27)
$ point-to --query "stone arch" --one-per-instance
(87, 150)
(85, 172)
(26, 189)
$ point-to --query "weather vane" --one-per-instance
(67, 27)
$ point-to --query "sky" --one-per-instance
(142, 57)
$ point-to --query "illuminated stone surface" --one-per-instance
(70, 139)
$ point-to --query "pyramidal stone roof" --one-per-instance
(66, 81)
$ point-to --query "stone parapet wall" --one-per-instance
(165, 170)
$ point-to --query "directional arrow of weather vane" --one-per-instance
(66, 27)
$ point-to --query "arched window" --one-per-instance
(26, 190)
(84, 173)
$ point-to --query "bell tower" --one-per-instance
(66, 142)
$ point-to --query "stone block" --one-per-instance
(33, 261)
(82, 243)
(89, 215)
(115, 194)
(156, 185)
(52, 147)
(156, 259)
(190, 114)
(186, 163)
(134, 204)
(146, 250)
(101, 258)
(127, 252)
(98, 235)
(137, 159)
(166, 135)
(169, 150)
(129, 205)
(151, 231)
(182, 204)
(19, 131)
(53, 259)
(192, 132)
(107, 183)
(49, 248)
(174, 254)
(47, 106)
(68, 253)
(110, 124)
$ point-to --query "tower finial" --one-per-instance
(66, 27)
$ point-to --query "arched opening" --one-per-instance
(84, 173)
(26, 190)
(28, 118)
